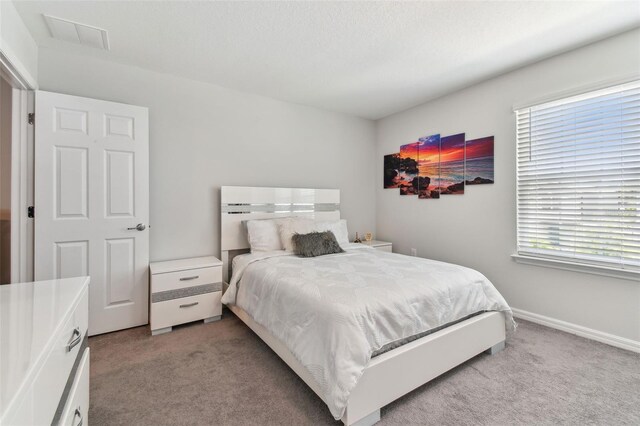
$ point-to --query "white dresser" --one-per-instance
(44, 357)
(185, 290)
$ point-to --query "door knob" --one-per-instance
(138, 227)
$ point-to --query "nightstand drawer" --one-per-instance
(186, 309)
(186, 278)
(385, 248)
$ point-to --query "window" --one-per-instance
(578, 179)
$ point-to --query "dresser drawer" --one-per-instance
(50, 382)
(187, 278)
(186, 309)
(76, 411)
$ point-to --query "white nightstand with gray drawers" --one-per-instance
(185, 290)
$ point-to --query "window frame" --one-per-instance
(562, 262)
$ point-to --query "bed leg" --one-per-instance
(495, 348)
(368, 420)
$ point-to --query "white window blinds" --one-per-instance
(578, 178)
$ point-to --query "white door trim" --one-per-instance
(21, 165)
(21, 192)
(14, 72)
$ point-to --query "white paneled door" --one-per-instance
(92, 203)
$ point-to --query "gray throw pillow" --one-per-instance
(315, 244)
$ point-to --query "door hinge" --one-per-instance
(31, 212)
(31, 117)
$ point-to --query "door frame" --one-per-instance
(22, 169)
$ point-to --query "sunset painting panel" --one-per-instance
(479, 166)
(408, 169)
(391, 170)
(452, 155)
(429, 166)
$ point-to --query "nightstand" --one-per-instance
(185, 290)
(379, 245)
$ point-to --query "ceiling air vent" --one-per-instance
(74, 32)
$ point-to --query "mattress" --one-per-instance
(335, 312)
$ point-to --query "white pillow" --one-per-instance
(293, 226)
(338, 227)
(263, 234)
(304, 226)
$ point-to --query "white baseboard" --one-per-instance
(589, 333)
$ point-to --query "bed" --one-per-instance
(360, 328)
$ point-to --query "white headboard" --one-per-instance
(241, 203)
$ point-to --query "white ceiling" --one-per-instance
(369, 59)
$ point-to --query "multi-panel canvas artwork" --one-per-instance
(452, 164)
(436, 165)
(391, 170)
(408, 170)
(479, 164)
(429, 166)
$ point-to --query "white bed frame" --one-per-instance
(388, 376)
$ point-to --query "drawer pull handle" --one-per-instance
(78, 413)
(76, 337)
(190, 278)
(188, 305)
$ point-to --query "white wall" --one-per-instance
(203, 136)
(478, 229)
(16, 43)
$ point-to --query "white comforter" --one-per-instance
(332, 312)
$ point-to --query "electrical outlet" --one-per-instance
(414, 252)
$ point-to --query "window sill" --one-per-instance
(577, 267)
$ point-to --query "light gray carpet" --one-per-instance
(222, 374)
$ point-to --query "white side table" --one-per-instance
(185, 290)
(380, 245)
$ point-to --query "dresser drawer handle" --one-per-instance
(76, 337)
(78, 413)
(190, 278)
(188, 305)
